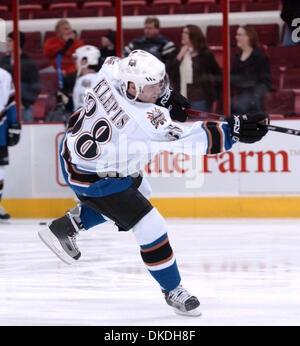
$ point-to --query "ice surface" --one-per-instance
(244, 272)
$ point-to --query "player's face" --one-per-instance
(242, 39)
(150, 93)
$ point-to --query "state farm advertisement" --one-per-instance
(269, 168)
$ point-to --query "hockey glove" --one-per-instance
(174, 102)
(248, 128)
(13, 134)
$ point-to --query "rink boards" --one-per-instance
(257, 180)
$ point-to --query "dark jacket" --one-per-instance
(290, 11)
(30, 78)
(253, 74)
(207, 77)
(160, 46)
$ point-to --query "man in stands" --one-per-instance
(64, 44)
(30, 78)
(152, 42)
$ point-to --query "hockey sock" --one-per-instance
(90, 218)
(156, 251)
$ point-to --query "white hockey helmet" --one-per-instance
(90, 53)
(141, 68)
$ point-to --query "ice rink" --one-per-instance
(244, 272)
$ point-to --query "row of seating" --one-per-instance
(267, 33)
(69, 9)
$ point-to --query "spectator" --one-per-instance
(108, 45)
(194, 71)
(64, 43)
(290, 11)
(152, 42)
(251, 74)
(30, 79)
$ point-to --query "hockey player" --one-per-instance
(9, 127)
(120, 112)
(87, 62)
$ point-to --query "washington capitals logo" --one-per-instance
(156, 117)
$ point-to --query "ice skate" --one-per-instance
(61, 236)
(3, 214)
(182, 302)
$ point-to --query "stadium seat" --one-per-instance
(199, 6)
(169, 3)
(27, 11)
(130, 34)
(49, 83)
(214, 35)
(97, 7)
(297, 101)
(173, 34)
(268, 34)
(39, 107)
(284, 56)
(263, 5)
(4, 13)
(280, 102)
(290, 78)
(242, 4)
(32, 41)
(64, 6)
(131, 7)
(40, 59)
(93, 37)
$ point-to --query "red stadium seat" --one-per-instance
(214, 35)
(290, 78)
(64, 7)
(97, 6)
(268, 34)
(131, 7)
(284, 56)
(27, 11)
(169, 3)
(173, 34)
(93, 37)
(5, 13)
(242, 4)
(264, 5)
(32, 42)
(280, 102)
(49, 83)
(203, 5)
(130, 34)
(39, 107)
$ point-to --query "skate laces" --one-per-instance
(179, 295)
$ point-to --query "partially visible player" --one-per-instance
(87, 62)
(9, 127)
(120, 122)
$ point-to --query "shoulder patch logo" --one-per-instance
(156, 117)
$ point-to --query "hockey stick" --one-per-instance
(220, 117)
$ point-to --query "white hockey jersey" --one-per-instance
(82, 85)
(113, 134)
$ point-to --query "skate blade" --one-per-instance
(193, 313)
(49, 239)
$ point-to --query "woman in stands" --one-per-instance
(250, 74)
(194, 72)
